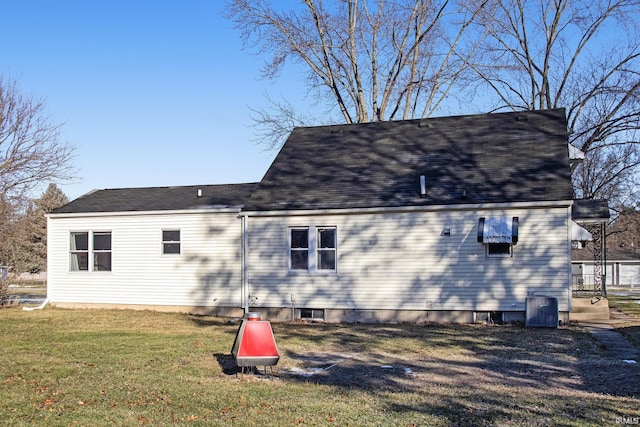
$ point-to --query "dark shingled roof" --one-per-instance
(159, 198)
(590, 210)
(613, 254)
(488, 158)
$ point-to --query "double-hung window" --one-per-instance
(102, 251)
(170, 242)
(326, 248)
(299, 249)
(79, 252)
(94, 246)
(313, 249)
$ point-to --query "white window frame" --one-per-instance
(96, 252)
(312, 314)
(321, 250)
(170, 242)
(301, 249)
(313, 250)
(91, 252)
(76, 254)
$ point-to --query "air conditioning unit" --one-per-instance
(541, 312)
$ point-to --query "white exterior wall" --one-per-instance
(206, 273)
(624, 274)
(401, 261)
(618, 273)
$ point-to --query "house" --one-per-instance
(442, 219)
(165, 248)
(619, 260)
(622, 268)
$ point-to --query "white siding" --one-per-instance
(618, 273)
(206, 273)
(402, 261)
(624, 273)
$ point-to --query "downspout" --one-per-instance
(604, 257)
(570, 234)
(245, 263)
(40, 307)
(46, 300)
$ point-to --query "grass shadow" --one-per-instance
(227, 364)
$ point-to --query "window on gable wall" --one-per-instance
(499, 234)
(312, 249)
(87, 245)
(498, 249)
(170, 242)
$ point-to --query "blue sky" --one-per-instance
(151, 92)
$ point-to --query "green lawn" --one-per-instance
(135, 368)
(626, 304)
(629, 304)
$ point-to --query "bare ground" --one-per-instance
(503, 374)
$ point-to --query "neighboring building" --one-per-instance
(442, 219)
(621, 254)
(589, 249)
(622, 268)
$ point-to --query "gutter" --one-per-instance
(210, 209)
(400, 209)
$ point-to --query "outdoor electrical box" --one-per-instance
(541, 312)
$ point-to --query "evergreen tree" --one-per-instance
(25, 244)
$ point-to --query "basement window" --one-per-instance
(311, 314)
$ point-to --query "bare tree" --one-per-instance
(610, 174)
(30, 149)
(372, 60)
(624, 232)
(30, 154)
(382, 60)
(579, 54)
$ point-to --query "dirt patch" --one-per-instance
(569, 362)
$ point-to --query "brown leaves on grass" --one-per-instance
(48, 402)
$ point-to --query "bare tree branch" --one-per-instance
(578, 54)
(30, 150)
(370, 58)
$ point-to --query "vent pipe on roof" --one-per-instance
(423, 186)
(199, 192)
